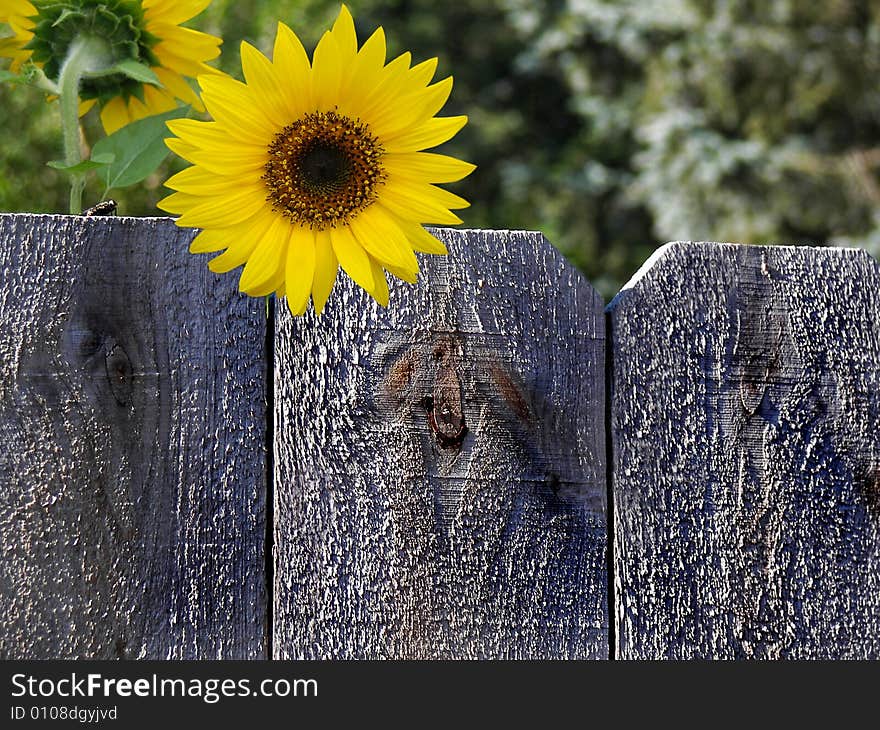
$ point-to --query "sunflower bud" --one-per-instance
(116, 32)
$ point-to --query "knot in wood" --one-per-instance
(119, 372)
(444, 407)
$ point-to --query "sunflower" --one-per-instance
(18, 14)
(307, 167)
(148, 32)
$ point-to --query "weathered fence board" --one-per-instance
(440, 480)
(439, 465)
(132, 453)
(746, 441)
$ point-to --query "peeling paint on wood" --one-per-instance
(132, 446)
(440, 481)
(746, 438)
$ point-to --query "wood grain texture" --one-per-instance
(746, 454)
(440, 481)
(132, 446)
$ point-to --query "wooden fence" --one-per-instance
(180, 478)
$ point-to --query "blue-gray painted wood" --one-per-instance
(440, 464)
(132, 446)
(398, 533)
(745, 427)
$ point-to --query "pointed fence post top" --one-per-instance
(745, 428)
(681, 259)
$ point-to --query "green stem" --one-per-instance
(82, 57)
(36, 78)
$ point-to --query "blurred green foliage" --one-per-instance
(610, 125)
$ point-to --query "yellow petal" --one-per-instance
(380, 292)
(197, 181)
(427, 193)
(181, 148)
(218, 151)
(382, 238)
(292, 68)
(326, 73)
(385, 89)
(136, 109)
(410, 110)
(364, 77)
(195, 44)
(222, 211)
(326, 268)
(416, 209)
(232, 106)
(16, 7)
(271, 284)
(403, 274)
(426, 167)
(211, 240)
(175, 59)
(300, 269)
(241, 164)
(420, 239)
(433, 132)
(173, 12)
(85, 106)
(352, 258)
(12, 48)
(435, 97)
(207, 135)
(243, 239)
(177, 85)
(156, 101)
(346, 37)
(114, 115)
(178, 202)
(266, 88)
(227, 261)
(421, 74)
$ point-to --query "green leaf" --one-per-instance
(138, 149)
(11, 78)
(97, 161)
(136, 71)
(65, 14)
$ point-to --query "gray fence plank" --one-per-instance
(440, 481)
(132, 465)
(746, 440)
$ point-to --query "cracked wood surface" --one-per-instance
(440, 465)
(132, 446)
(746, 440)
(440, 481)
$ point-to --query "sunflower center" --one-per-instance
(323, 169)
